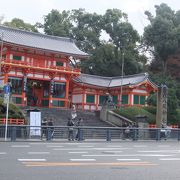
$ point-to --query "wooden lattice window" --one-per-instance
(18, 58)
(102, 99)
(142, 100)
(90, 98)
(115, 99)
(136, 99)
(125, 99)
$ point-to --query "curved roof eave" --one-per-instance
(40, 41)
(59, 52)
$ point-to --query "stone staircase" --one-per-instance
(60, 116)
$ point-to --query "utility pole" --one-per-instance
(122, 73)
(2, 37)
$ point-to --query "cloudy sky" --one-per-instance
(32, 11)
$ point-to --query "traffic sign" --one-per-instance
(6, 99)
(6, 89)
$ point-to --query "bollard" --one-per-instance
(13, 133)
(80, 133)
(48, 134)
(108, 136)
(178, 134)
(158, 134)
(135, 135)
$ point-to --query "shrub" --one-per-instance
(132, 112)
(14, 111)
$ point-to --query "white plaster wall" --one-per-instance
(86, 107)
(30, 75)
(39, 75)
(19, 73)
(93, 107)
(139, 91)
(11, 56)
(12, 72)
(77, 98)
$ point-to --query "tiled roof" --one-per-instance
(110, 82)
(40, 41)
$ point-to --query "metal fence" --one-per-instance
(83, 133)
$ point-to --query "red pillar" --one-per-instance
(67, 92)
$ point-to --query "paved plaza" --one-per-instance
(90, 160)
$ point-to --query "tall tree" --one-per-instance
(57, 23)
(86, 30)
(121, 32)
(161, 36)
(20, 24)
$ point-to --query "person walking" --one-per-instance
(43, 128)
(70, 125)
(73, 112)
(51, 128)
(79, 123)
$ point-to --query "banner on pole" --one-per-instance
(6, 99)
(35, 120)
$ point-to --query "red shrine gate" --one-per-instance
(38, 67)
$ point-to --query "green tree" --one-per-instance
(161, 36)
(105, 55)
(121, 32)
(20, 24)
(173, 91)
(58, 24)
(87, 30)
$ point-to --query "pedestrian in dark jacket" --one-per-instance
(70, 125)
(51, 127)
(43, 128)
(79, 123)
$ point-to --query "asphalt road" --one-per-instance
(90, 160)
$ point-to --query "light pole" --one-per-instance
(1, 53)
(122, 73)
(2, 36)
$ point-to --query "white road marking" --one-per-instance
(163, 145)
(80, 152)
(86, 146)
(38, 152)
(139, 146)
(128, 159)
(54, 146)
(83, 159)
(1, 153)
(77, 149)
(107, 148)
(163, 151)
(30, 160)
(126, 155)
(170, 159)
(20, 146)
(112, 151)
(72, 149)
(117, 146)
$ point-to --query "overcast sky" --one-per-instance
(32, 11)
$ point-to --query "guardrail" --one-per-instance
(23, 132)
(12, 121)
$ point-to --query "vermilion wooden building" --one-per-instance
(38, 68)
(89, 92)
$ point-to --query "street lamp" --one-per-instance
(122, 73)
(2, 36)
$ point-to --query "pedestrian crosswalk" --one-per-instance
(97, 153)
